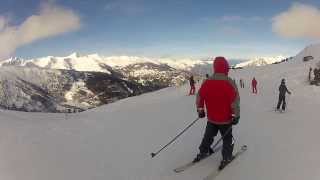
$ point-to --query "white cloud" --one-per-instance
(299, 21)
(52, 20)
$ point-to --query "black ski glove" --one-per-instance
(235, 120)
(201, 113)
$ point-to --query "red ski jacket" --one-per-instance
(219, 94)
(254, 82)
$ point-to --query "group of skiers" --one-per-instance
(218, 99)
(254, 84)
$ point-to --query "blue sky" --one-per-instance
(177, 28)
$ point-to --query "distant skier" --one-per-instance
(192, 86)
(282, 95)
(241, 83)
(315, 73)
(254, 85)
(223, 110)
(207, 77)
(309, 76)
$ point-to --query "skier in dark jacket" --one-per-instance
(241, 83)
(282, 95)
(207, 77)
(192, 86)
(309, 76)
(223, 110)
(315, 73)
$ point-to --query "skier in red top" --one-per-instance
(254, 85)
(219, 96)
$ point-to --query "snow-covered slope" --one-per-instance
(115, 141)
(311, 50)
(260, 61)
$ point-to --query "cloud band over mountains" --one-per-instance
(50, 21)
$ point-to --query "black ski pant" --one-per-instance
(211, 132)
(282, 100)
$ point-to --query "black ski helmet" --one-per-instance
(283, 81)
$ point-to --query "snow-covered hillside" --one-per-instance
(115, 141)
(311, 50)
(260, 61)
(51, 90)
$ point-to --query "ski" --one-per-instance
(190, 164)
(280, 111)
(215, 173)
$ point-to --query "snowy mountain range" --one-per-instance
(141, 69)
(260, 61)
(80, 82)
(76, 83)
(97, 63)
(51, 90)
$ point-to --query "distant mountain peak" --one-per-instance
(74, 55)
(261, 61)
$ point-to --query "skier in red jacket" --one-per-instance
(254, 85)
(219, 96)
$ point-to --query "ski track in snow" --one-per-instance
(115, 141)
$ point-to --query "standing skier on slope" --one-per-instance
(254, 85)
(240, 82)
(282, 95)
(223, 110)
(192, 86)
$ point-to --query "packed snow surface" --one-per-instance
(114, 142)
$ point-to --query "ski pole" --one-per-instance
(156, 153)
(288, 99)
